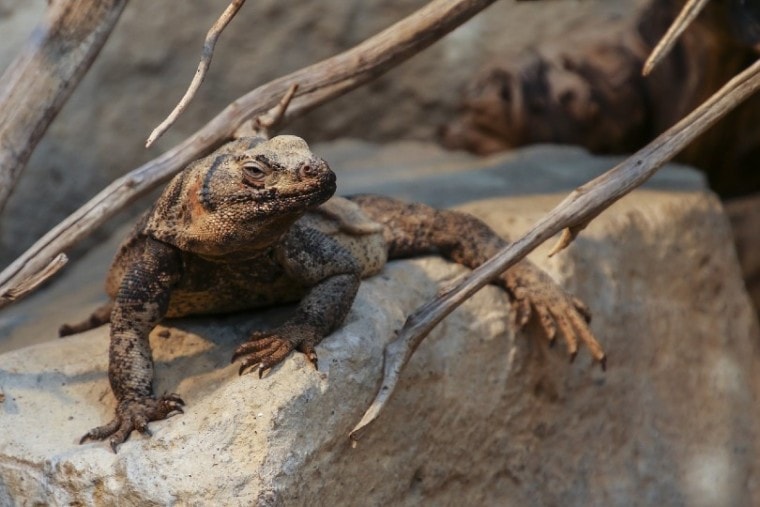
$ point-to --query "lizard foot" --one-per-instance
(534, 293)
(135, 415)
(266, 349)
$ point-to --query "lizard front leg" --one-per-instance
(333, 276)
(140, 303)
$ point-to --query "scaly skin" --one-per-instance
(232, 232)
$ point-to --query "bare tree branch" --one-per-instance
(688, 13)
(200, 73)
(577, 209)
(39, 81)
(317, 84)
(264, 123)
(30, 284)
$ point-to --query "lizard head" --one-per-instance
(241, 198)
(277, 176)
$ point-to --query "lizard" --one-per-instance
(253, 224)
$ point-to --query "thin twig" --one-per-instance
(578, 208)
(200, 73)
(688, 13)
(318, 84)
(568, 236)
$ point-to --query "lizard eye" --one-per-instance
(254, 174)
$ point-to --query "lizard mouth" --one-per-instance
(306, 199)
(274, 200)
(313, 195)
(316, 191)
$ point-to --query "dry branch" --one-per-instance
(576, 210)
(200, 73)
(30, 284)
(688, 13)
(264, 123)
(40, 79)
(317, 84)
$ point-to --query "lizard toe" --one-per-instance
(307, 348)
(101, 432)
(547, 321)
(259, 342)
(135, 414)
(266, 349)
(581, 308)
(276, 350)
(557, 312)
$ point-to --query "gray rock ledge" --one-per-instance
(483, 416)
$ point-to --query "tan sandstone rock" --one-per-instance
(483, 416)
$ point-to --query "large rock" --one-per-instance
(483, 416)
(744, 214)
(152, 54)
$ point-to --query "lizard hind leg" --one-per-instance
(412, 229)
(101, 316)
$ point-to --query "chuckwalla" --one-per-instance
(249, 226)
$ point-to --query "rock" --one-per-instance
(148, 61)
(744, 214)
(483, 416)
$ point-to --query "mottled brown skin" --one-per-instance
(232, 232)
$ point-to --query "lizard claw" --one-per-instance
(135, 415)
(557, 312)
(308, 349)
(266, 349)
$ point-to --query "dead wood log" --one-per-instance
(587, 89)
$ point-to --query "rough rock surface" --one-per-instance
(744, 214)
(482, 417)
(152, 54)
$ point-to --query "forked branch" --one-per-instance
(576, 210)
(264, 123)
(318, 84)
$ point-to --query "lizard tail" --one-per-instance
(102, 315)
